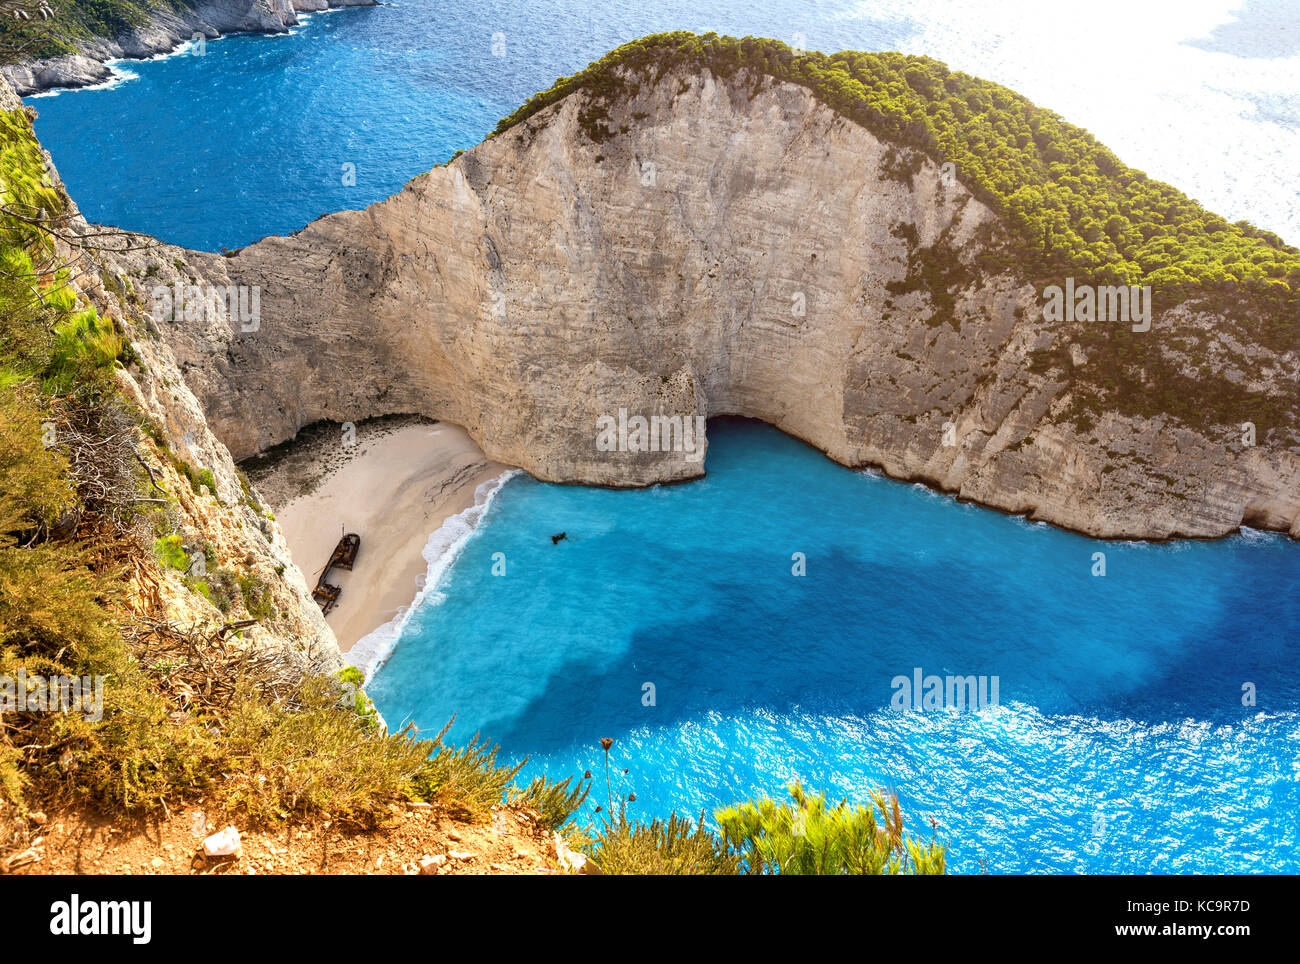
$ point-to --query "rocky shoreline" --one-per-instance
(165, 31)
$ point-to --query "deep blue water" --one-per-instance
(1121, 742)
(252, 137)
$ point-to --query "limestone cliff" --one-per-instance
(736, 247)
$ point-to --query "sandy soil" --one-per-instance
(79, 841)
(394, 487)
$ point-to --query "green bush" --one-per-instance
(53, 622)
(809, 837)
(553, 799)
(468, 778)
(34, 485)
(759, 837)
(256, 595)
(662, 847)
(317, 757)
(204, 480)
(170, 552)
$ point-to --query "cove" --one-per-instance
(1122, 741)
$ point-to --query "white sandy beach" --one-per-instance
(394, 488)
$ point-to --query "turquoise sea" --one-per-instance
(1121, 742)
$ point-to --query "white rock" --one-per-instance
(570, 860)
(430, 865)
(224, 843)
(533, 327)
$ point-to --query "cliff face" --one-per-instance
(228, 527)
(737, 247)
(167, 29)
(240, 535)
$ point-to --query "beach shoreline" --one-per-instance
(395, 484)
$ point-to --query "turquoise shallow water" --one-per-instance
(1121, 742)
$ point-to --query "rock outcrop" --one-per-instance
(223, 522)
(736, 247)
(166, 29)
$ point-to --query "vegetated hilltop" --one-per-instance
(854, 248)
(1075, 206)
(32, 29)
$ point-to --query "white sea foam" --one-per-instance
(444, 545)
(183, 48)
(1259, 536)
(932, 493)
(119, 76)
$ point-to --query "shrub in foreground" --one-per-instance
(669, 847)
(807, 836)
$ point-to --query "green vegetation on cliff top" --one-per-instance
(70, 21)
(1075, 207)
